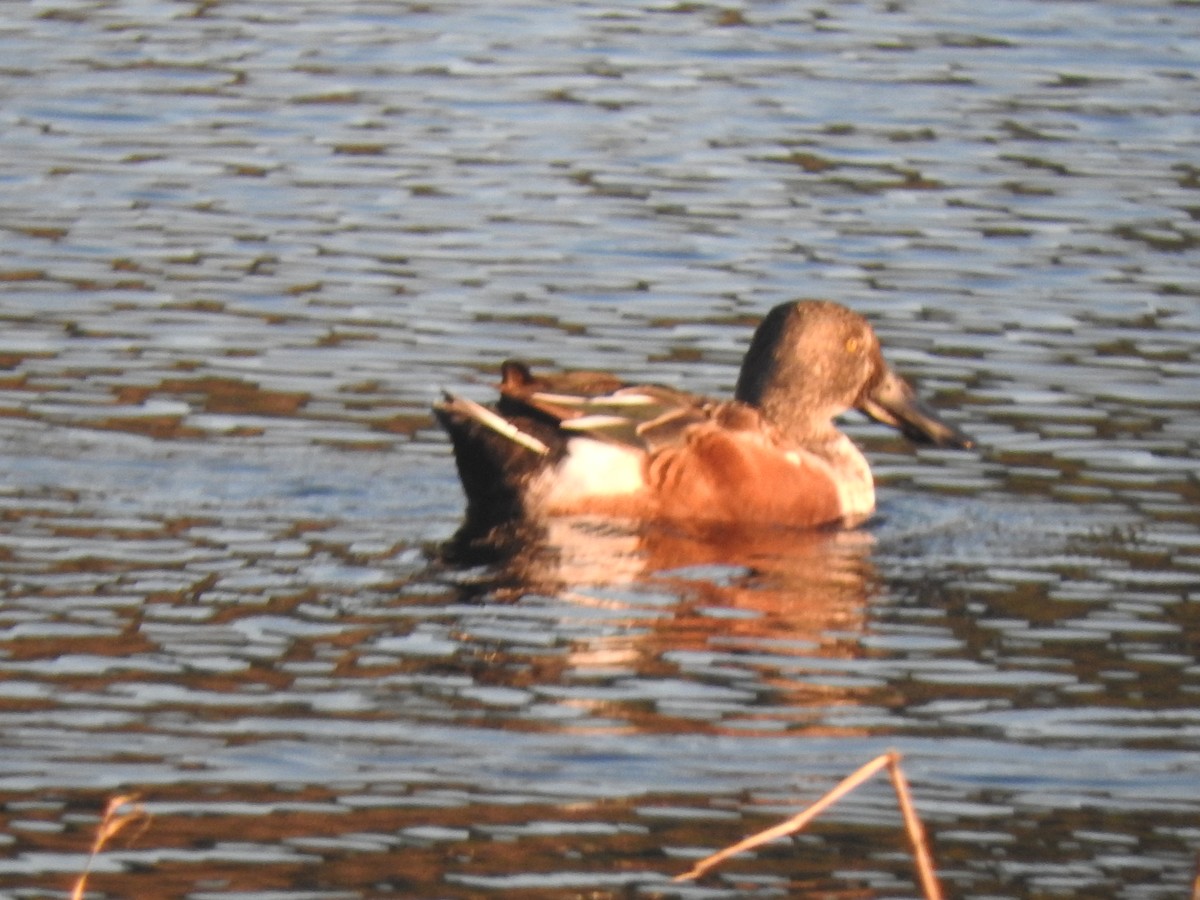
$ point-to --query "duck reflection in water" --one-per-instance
(773, 618)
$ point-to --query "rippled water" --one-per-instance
(247, 243)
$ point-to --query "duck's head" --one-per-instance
(811, 360)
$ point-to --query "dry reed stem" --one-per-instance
(113, 821)
(912, 823)
(915, 831)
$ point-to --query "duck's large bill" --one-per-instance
(893, 402)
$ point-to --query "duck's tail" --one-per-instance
(496, 456)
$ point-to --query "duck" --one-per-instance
(583, 443)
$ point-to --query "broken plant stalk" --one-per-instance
(121, 811)
(912, 824)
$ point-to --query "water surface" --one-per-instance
(247, 244)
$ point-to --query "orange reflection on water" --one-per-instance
(753, 627)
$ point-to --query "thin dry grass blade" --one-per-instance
(794, 824)
(916, 832)
(115, 819)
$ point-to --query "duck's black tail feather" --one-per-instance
(496, 458)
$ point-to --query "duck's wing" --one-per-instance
(646, 416)
(598, 405)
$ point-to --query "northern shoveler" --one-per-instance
(584, 443)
